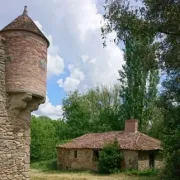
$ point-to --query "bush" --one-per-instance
(110, 158)
(45, 165)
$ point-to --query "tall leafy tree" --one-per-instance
(95, 111)
(43, 139)
(139, 83)
(170, 101)
(139, 77)
(162, 18)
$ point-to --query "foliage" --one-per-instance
(95, 111)
(164, 18)
(140, 74)
(171, 132)
(156, 17)
(43, 139)
(160, 19)
(110, 158)
(139, 84)
(45, 165)
(45, 134)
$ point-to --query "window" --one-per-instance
(151, 160)
(75, 154)
(95, 155)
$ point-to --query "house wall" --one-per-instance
(143, 161)
(158, 161)
(130, 159)
(84, 160)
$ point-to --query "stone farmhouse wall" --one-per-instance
(130, 159)
(66, 159)
(83, 161)
(143, 162)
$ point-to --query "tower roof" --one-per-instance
(24, 23)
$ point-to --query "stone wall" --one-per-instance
(84, 160)
(130, 159)
(159, 161)
(143, 162)
(15, 136)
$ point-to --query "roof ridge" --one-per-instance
(138, 139)
(149, 137)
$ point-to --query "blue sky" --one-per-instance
(76, 57)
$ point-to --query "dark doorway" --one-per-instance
(151, 160)
(75, 154)
(95, 155)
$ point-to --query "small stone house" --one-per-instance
(140, 151)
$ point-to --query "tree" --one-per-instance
(139, 83)
(140, 74)
(110, 158)
(76, 114)
(95, 111)
(170, 101)
(164, 18)
(161, 18)
(43, 139)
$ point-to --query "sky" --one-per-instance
(76, 57)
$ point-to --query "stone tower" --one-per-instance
(23, 69)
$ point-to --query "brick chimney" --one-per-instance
(131, 125)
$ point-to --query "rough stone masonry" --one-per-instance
(23, 69)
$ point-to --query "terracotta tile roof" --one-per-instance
(127, 140)
(25, 23)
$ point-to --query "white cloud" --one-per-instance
(47, 109)
(78, 36)
(80, 22)
(72, 82)
(55, 64)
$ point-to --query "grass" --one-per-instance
(148, 172)
(47, 171)
(58, 175)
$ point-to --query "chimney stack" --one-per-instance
(131, 125)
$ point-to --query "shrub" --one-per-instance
(45, 165)
(110, 158)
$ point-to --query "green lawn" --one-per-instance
(58, 175)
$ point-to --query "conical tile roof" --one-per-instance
(25, 23)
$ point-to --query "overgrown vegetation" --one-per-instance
(110, 158)
(39, 175)
(50, 165)
(151, 34)
(158, 19)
